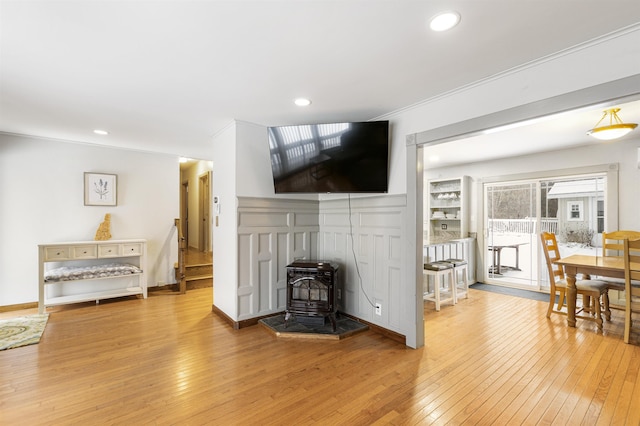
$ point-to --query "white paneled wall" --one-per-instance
(271, 234)
(364, 236)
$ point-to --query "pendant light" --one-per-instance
(615, 129)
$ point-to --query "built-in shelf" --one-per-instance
(447, 212)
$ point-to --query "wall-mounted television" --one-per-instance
(330, 158)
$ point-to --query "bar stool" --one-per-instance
(439, 270)
(462, 286)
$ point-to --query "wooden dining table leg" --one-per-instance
(572, 294)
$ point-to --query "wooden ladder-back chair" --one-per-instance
(612, 245)
(631, 249)
(594, 292)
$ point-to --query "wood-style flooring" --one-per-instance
(491, 359)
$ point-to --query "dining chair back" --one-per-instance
(612, 242)
(631, 249)
(593, 292)
(612, 245)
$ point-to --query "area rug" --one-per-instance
(345, 327)
(22, 331)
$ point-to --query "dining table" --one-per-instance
(587, 265)
(497, 267)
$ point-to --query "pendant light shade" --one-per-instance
(615, 129)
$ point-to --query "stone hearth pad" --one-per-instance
(345, 327)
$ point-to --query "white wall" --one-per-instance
(254, 176)
(225, 244)
(42, 187)
(254, 167)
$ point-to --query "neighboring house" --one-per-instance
(580, 208)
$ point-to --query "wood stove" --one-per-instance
(312, 292)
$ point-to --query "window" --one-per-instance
(600, 216)
(574, 210)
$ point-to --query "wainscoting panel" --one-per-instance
(375, 274)
(257, 219)
(271, 234)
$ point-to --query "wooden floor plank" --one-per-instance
(497, 379)
(620, 364)
(490, 359)
(528, 387)
(633, 416)
(464, 368)
(530, 404)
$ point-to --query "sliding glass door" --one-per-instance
(516, 212)
(511, 218)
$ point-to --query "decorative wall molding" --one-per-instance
(271, 234)
(274, 232)
(364, 236)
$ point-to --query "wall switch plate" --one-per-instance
(378, 308)
(339, 293)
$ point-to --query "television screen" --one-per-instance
(334, 157)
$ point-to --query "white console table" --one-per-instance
(81, 254)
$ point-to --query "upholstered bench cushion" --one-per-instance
(437, 266)
(69, 273)
(456, 262)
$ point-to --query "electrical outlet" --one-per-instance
(378, 308)
(443, 226)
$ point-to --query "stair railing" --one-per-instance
(182, 248)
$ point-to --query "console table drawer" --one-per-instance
(133, 249)
(84, 252)
(110, 250)
(56, 253)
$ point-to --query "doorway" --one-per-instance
(195, 203)
(204, 205)
(184, 210)
(195, 217)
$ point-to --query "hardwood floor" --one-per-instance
(491, 359)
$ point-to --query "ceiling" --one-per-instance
(166, 76)
(546, 134)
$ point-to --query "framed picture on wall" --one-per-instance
(100, 189)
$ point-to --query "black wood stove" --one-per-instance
(312, 292)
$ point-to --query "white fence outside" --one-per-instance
(523, 226)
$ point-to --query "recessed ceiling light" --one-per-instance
(100, 132)
(302, 102)
(444, 21)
